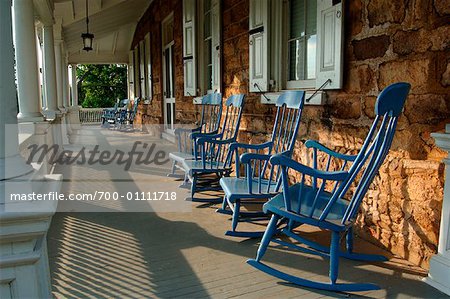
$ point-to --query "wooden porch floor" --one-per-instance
(186, 254)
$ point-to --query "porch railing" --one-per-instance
(91, 115)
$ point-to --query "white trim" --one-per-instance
(197, 100)
(439, 275)
(317, 100)
(299, 84)
(168, 100)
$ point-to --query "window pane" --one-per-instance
(311, 57)
(173, 118)
(207, 25)
(297, 18)
(172, 65)
(169, 115)
(207, 67)
(296, 60)
(302, 40)
(207, 19)
(311, 17)
(167, 65)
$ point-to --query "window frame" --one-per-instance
(278, 55)
(292, 84)
(202, 64)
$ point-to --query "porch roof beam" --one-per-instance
(91, 58)
(44, 10)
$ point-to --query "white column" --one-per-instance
(74, 85)
(9, 151)
(439, 275)
(65, 78)
(26, 61)
(65, 87)
(50, 69)
(59, 79)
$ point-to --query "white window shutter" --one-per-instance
(142, 82)
(148, 59)
(131, 75)
(259, 46)
(190, 76)
(215, 45)
(330, 53)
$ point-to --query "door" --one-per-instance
(168, 76)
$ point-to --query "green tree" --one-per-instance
(100, 85)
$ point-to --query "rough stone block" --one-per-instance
(353, 21)
(427, 109)
(442, 7)
(382, 11)
(440, 38)
(416, 72)
(371, 47)
(445, 80)
(369, 106)
(359, 79)
(346, 107)
(406, 42)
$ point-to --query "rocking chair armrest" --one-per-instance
(210, 139)
(258, 146)
(185, 130)
(321, 147)
(212, 134)
(247, 157)
(283, 160)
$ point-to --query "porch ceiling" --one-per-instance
(111, 21)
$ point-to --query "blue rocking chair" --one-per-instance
(310, 201)
(125, 118)
(186, 138)
(262, 181)
(205, 170)
(109, 115)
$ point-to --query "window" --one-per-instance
(131, 75)
(300, 42)
(137, 85)
(142, 72)
(148, 62)
(207, 46)
(201, 47)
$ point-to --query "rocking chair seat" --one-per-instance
(180, 156)
(333, 221)
(193, 166)
(237, 188)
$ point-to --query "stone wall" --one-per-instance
(151, 22)
(393, 41)
(386, 41)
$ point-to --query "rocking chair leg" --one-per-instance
(349, 240)
(334, 257)
(235, 219)
(174, 163)
(193, 185)
(270, 231)
(174, 168)
(224, 203)
(223, 209)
